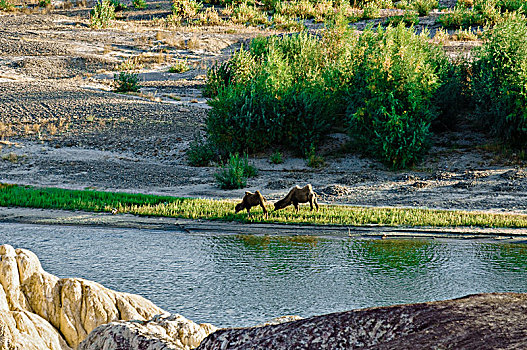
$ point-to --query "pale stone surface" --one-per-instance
(163, 332)
(41, 311)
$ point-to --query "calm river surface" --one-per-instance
(236, 280)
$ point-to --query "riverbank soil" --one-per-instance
(61, 125)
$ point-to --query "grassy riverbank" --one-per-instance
(192, 208)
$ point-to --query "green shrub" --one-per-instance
(371, 3)
(246, 13)
(280, 21)
(139, 4)
(127, 82)
(200, 152)
(423, 7)
(181, 66)
(5, 5)
(386, 86)
(371, 11)
(499, 80)
(102, 14)
(234, 174)
(483, 12)
(276, 158)
(118, 5)
(186, 8)
(390, 95)
(43, 3)
(453, 96)
(238, 70)
(280, 99)
(512, 5)
(314, 160)
(408, 19)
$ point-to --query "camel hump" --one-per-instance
(257, 192)
(248, 193)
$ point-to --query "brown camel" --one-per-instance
(298, 195)
(251, 200)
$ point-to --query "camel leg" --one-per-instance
(315, 201)
(264, 210)
(295, 204)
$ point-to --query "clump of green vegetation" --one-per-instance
(371, 11)
(235, 172)
(465, 35)
(127, 82)
(280, 21)
(210, 17)
(237, 70)
(314, 160)
(246, 13)
(139, 4)
(200, 152)
(273, 94)
(181, 66)
(5, 5)
(43, 3)
(390, 102)
(191, 208)
(384, 85)
(186, 8)
(372, 3)
(409, 18)
(118, 5)
(276, 158)
(499, 80)
(423, 7)
(11, 157)
(480, 13)
(102, 14)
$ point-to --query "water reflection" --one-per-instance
(238, 280)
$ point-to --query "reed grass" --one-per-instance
(193, 208)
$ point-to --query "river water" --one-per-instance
(241, 280)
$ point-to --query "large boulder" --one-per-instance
(163, 332)
(41, 311)
(482, 321)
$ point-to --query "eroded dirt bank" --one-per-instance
(62, 125)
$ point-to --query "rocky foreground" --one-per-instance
(41, 311)
(482, 321)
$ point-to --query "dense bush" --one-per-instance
(5, 5)
(118, 5)
(391, 92)
(238, 70)
(186, 8)
(500, 80)
(139, 4)
(127, 82)
(385, 85)
(102, 14)
(234, 174)
(274, 94)
(408, 18)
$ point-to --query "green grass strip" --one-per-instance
(192, 208)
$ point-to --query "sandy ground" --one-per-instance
(62, 126)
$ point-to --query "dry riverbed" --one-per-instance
(62, 126)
